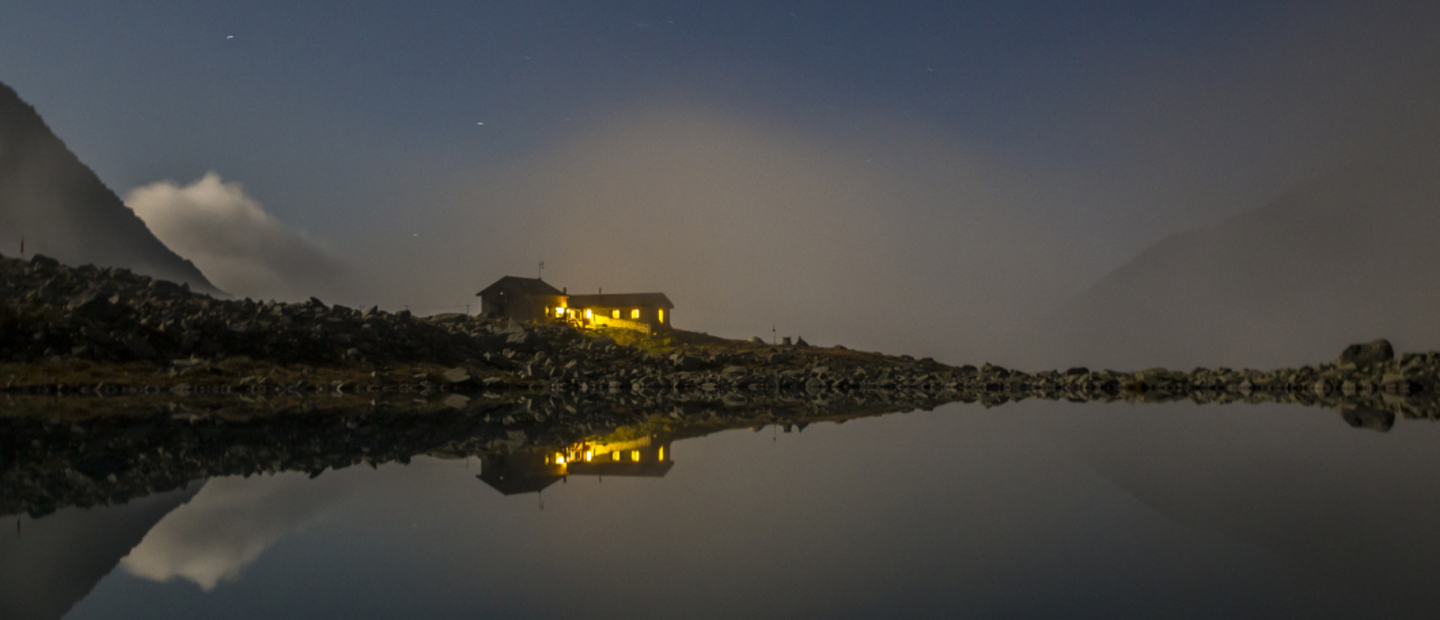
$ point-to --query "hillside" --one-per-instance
(1347, 258)
(63, 209)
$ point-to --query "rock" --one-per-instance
(688, 363)
(1368, 354)
(455, 375)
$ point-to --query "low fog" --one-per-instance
(242, 249)
(901, 244)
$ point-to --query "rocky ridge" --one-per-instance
(187, 343)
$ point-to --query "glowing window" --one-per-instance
(614, 314)
(559, 313)
(616, 455)
(635, 314)
(588, 455)
(662, 315)
(559, 459)
(587, 314)
(634, 455)
(661, 456)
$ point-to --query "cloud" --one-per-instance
(227, 526)
(241, 248)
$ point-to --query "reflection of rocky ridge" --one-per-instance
(142, 446)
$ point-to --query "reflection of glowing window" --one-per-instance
(634, 455)
(661, 455)
(587, 314)
(635, 314)
(614, 314)
(559, 459)
(588, 454)
(617, 456)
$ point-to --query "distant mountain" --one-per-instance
(1348, 258)
(65, 211)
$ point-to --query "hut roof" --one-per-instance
(621, 300)
(515, 284)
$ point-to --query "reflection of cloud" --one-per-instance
(59, 558)
(243, 249)
(226, 527)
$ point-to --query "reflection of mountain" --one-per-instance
(531, 470)
(1346, 259)
(1311, 503)
(56, 560)
(65, 211)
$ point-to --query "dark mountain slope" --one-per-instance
(1351, 257)
(65, 211)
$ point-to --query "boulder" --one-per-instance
(1370, 353)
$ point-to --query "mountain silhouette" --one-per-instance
(1347, 258)
(64, 211)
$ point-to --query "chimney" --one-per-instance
(564, 290)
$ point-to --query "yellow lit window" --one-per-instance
(614, 314)
(617, 456)
(587, 314)
(635, 314)
(634, 455)
(661, 455)
(662, 315)
(559, 313)
(559, 459)
(588, 455)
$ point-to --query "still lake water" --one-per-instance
(1029, 510)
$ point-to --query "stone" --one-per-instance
(455, 375)
(1367, 354)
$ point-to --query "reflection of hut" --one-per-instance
(529, 471)
(646, 457)
(526, 471)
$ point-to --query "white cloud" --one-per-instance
(242, 249)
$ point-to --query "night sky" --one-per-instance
(423, 145)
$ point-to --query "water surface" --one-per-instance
(1034, 509)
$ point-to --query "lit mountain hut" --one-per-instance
(534, 300)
